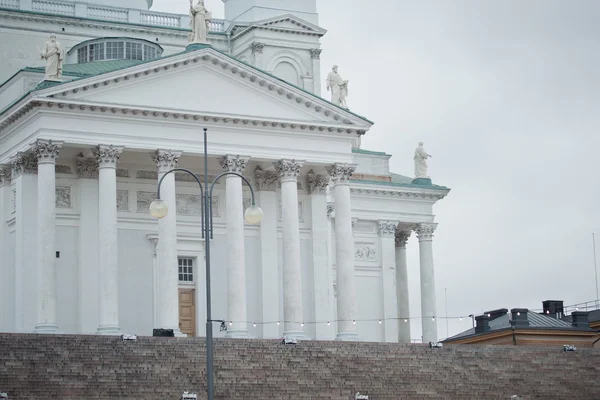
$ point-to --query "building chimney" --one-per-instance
(580, 319)
(519, 317)
(496, 313)
(482, 323)
(553, 308)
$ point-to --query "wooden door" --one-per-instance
(187, 311)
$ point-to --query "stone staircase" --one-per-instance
(95, 367)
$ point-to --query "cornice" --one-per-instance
(50, 104)
(398, 192)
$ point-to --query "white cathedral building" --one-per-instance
(86, 133)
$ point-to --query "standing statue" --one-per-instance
(421, 161)
(200, 22)
(339, 87)
(53, 54)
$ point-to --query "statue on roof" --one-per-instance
(338, 86)
(53, 54)
(200, 22)
(421, 161)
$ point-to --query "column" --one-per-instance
(402, 287)
(24, 209)
(46, 152)
(288, 171)
(317, 187)
(315, 55)
(87, 170)
(108, 278)
(387, 231)
(168, 278)
(344, 242)
(266, 183)
(236, 263)
(428, 314)
(5, 276)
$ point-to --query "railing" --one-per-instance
(9, 3)
(587, 306)
(154, 18)
(53, 7)
(113, 14)
(84, 10)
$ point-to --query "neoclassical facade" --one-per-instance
(79, 165)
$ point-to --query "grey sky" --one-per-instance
(505, 95)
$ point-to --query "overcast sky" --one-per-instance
(505, 95)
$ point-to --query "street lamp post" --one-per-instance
(253, 215)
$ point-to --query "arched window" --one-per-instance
(115, 49)
(287, 72)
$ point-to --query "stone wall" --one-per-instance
(91, 367)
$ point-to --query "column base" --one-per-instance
(298, 335)
(46, 328)
(239, 334)
(109, 330)
(347, 337)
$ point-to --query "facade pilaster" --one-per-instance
(87, 170)
(323, 286)
(107, 157)
(344, 241)
(428, 310)
(402, 287)
(288, 171)
(315, 55)
(168, 278)
(387, 231)
(257, 54)
(236, 263)
(46, 152)
(266, 183)
(24, 197)
(6, 278)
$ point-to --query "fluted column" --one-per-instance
(288, 171)
(428, 313)
(108, 282)
(317, 187)
(387, 231)
(344, 241)
(236, 263)
(402, 287)
(266, 183)
(168, 279)
(46, 152)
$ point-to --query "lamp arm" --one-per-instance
(199, 184)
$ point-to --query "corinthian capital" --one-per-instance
(4, 175)
(425, 230)
(386, 228)
(341, 173)
(315, 53)
(107, 156)
(23, 163)
(46, 151)
(402, 238)
(288, 170)
(165, 160)
(86, 167)
(316, 183)
(266, 180)
(234, 163)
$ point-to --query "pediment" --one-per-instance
(287, 22)
(209, 83)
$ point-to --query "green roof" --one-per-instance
(370, 152)
(400, 181)
(87, 70)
